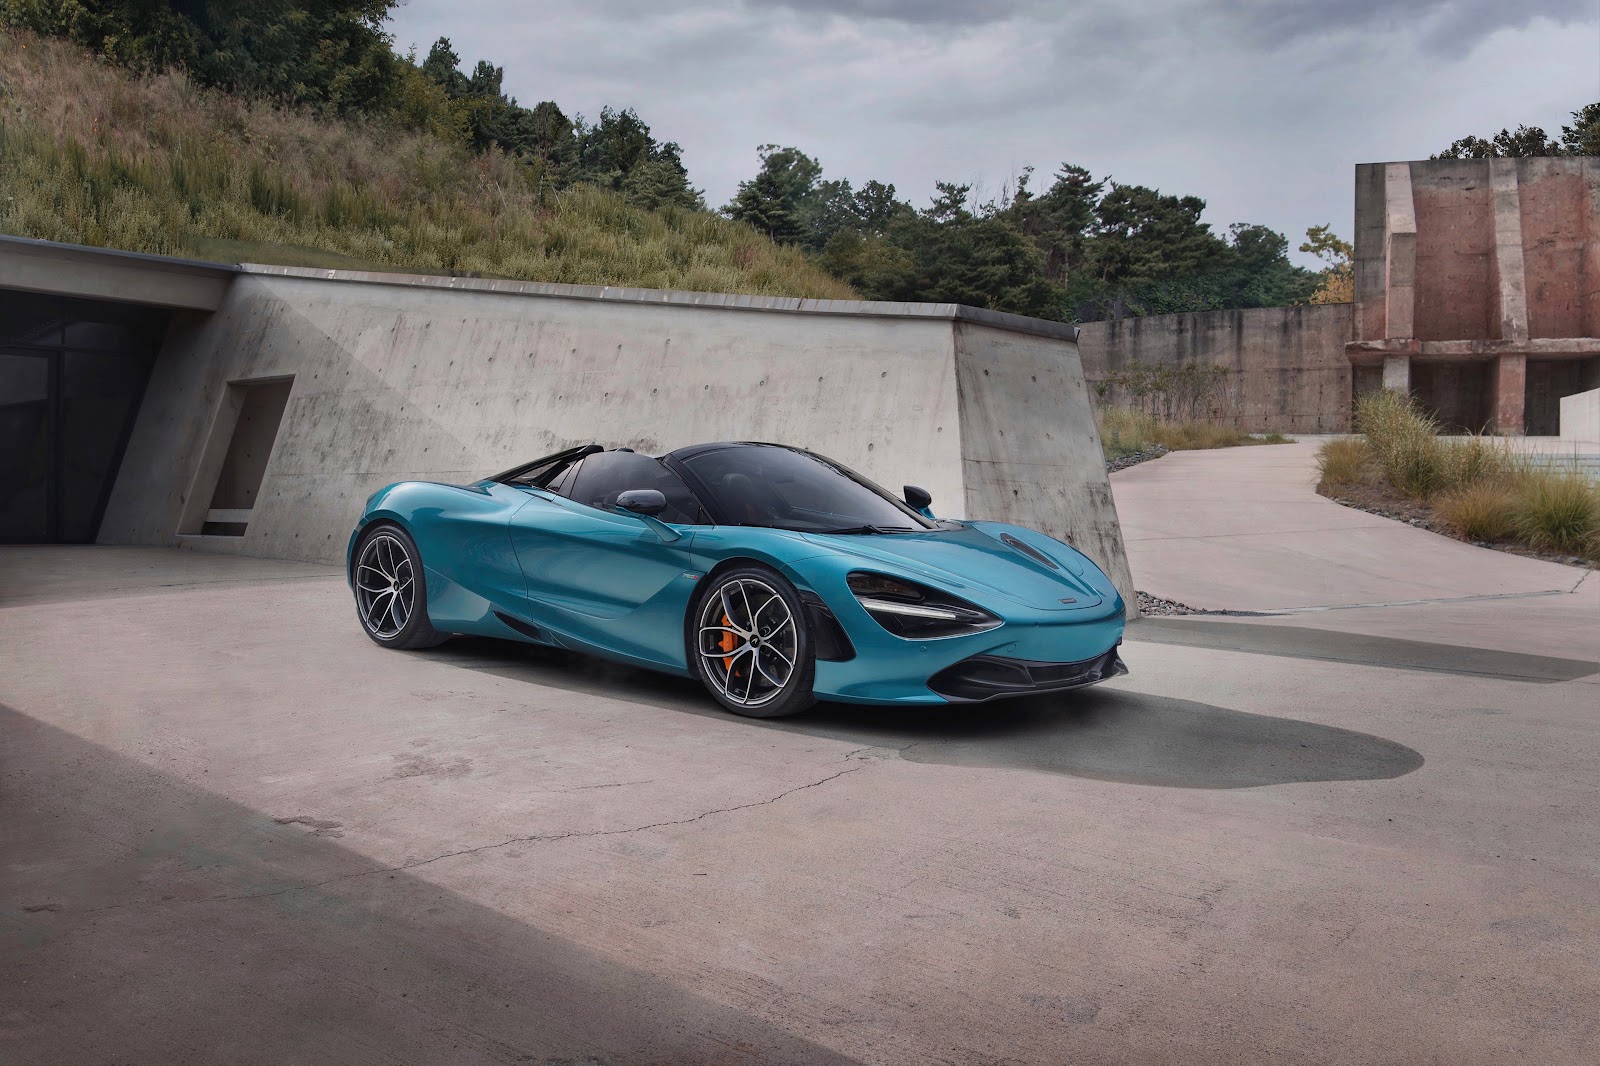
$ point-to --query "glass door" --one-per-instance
(27, 446)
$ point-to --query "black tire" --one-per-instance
(386, 552)
(741, 664)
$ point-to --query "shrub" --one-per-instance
(1480, 511)
(1343, 461)
(1558, 511)
(1405, 443)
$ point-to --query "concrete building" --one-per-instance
(253, 409)
(1478, 287)
(1477, 291)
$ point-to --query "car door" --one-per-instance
(606, 579)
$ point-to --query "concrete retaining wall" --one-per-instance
(1287, 369)
(401, 378)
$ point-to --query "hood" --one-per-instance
(974, 555)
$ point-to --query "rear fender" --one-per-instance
(466, 549)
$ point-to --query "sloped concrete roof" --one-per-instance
(32, 265)
(76, 270)
(729, 301)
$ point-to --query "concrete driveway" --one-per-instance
(232, 829)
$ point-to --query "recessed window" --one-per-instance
(259, 407)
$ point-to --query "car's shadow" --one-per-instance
(1104, 733)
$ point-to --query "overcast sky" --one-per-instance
(1261, 107)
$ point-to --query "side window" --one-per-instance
(559, 482)
(601, 477)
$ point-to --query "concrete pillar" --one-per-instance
(1397, 373)
(1510, 389)
(1400, 252)
(1508, 276)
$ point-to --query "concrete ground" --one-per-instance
(233, 829)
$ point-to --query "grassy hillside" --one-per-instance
(94, 155)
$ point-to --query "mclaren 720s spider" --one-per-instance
(776, 576)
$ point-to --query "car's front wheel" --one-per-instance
(750, 644)
(392, 591)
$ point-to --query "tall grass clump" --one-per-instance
(1342, 462)
(1481, 511)
(1558, 511)
(91, 154)
(1126, 431)
(1405, 443)
(1480, 488)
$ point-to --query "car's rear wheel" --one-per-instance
(750, 645)
(391, 590)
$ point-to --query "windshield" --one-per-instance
(762, 485)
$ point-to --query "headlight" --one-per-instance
(915, 612)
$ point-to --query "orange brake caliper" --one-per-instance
(726, 644)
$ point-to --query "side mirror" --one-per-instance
(918, 498)
(642, 501)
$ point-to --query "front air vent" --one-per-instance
(1026, 549)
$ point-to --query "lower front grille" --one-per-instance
(988, 677)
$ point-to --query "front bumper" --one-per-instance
(990, 677)
(887, 669)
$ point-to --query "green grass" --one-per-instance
(90, 154)
(1477, 487)
(1125, 431)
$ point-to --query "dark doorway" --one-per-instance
(1548, 380)
(72, 373)
(1459, 395)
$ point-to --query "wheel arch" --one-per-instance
(829, 638)
(363, 524)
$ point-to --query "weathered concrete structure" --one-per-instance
(268, 421)
(1285, 367)
(1477, 290)
(1478, 286)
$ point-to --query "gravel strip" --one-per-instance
(1156, 606)
(1136, 458)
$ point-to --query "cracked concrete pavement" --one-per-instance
(233, 829)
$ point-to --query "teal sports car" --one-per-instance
(776, 576)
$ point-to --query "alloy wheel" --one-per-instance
(748, 642)
(386, 587)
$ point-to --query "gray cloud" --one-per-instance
(1260, 108)
(1444, 25)
(932, 12)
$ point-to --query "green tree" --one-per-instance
(491, 117)
(1583, 136)
(608, 152)
(1580, 138)
(783, 200)
(1141, 235)
(1526, 141)
(333, 54)
(981, 260)
(1059, 220)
